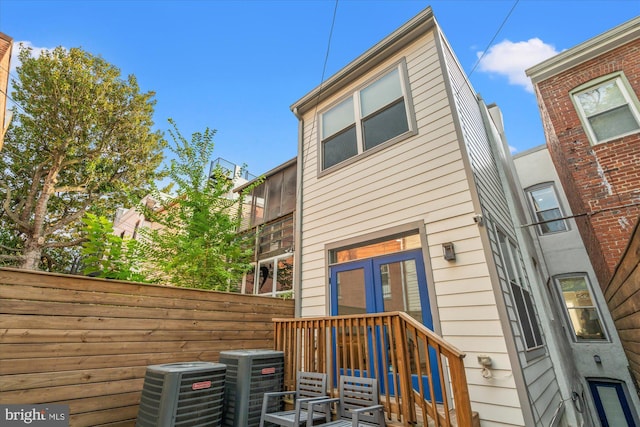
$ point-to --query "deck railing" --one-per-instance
(415, 367)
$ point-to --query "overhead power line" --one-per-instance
(493, 39)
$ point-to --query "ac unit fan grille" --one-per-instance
(150, 400)
(191, 408)
(196, 407)
(261, 383)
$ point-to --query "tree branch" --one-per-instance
(70, 189)
(64, 221)
(12, 257)
(10, 249)
(65, 244)
(6, 205)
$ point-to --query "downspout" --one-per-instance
(297, 263)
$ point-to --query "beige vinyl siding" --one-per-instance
(492, 200)
(420, 179)
(540, 387)
(398, 185)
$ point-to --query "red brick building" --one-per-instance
(588, 99)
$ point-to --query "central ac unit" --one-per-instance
(182, 394)
(250, 374)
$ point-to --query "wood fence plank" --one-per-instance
(53, 379)
(71, 392)
(221, 303)
(8, 321)
(42, 336)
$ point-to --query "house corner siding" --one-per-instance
(530, 382)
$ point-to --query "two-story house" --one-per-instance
(403, 204)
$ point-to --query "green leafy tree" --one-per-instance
(110, 256)
(81, 141)
(198, 244)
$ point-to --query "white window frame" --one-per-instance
(401, 67)
(571, 329)
(535, 211)
(273, 261)
(625, 90)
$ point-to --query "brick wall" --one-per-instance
(602, 182)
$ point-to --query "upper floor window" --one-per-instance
(546, 209)
(513, 269)
(580, 307)
(608, 109)
(371, 116)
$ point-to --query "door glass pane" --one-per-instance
(351, 294)
(611, 405)
(400, 288)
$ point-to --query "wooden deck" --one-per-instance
(414, 366)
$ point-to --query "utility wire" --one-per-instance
(484, 52)
(324, 70)
(466, 78)
(14, 102)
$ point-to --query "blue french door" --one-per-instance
(611, 404)
(395, 282)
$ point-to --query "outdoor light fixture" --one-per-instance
(448, 251)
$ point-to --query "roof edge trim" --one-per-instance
(381, 50)
(585, 51)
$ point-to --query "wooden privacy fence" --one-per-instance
(86, 342)
(623, 299)
(414, 366)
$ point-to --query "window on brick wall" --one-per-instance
(608, 108)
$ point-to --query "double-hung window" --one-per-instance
(510, 256)
(608, 108)
(580, 308)
(372, 115)
(546, 209)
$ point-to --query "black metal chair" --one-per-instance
(309, 386)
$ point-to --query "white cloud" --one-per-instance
(511, 59)
(35, 52)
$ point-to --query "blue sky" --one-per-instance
(237, 66)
